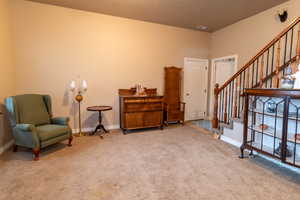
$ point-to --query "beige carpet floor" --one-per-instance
(178, 163)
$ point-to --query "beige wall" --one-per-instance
(55, 45)
(7, 69)
(245, 38)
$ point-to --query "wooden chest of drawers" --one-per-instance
(140, 112)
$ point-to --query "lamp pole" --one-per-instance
(79, 98)
(81, 89)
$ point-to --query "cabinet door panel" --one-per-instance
(134, 120)
(130, 107)
(152, 118)
(139, 107)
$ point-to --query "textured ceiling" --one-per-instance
(215, 14)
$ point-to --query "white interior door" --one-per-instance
(195, 88)
(222, 69)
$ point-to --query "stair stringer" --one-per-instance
(233, 134)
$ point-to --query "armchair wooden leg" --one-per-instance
(70, 141)
(36, 153)
(15, 148)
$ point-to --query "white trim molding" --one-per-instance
(6, 146)
(186, 59)
(213, 77)
(277, 162)
(231, 141)
(10, 143)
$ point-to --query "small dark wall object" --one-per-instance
(283, 16)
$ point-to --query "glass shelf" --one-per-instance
(270, 132)
(265, 148)
(291, 159)
(273, 114)
(271, 151)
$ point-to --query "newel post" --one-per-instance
(215, 120)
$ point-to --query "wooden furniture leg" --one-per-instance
(36, 153)
(124, 131)
(70, 141)
(15, 148)
(100, 125)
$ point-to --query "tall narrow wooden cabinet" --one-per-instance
(173, 107)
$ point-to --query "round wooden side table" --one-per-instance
(99, 109)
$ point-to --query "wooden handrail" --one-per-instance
(268, 46)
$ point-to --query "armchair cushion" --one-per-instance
(60, 120)
(49, 131)
(32, 109)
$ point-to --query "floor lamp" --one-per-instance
(80, 90)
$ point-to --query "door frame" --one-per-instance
(213, 77)
(186, 59)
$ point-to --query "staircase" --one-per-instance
(264, 70)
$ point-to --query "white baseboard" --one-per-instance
(231, 141)
(278, 162)
(90, 129)
(10, 143)
(281, 164)
(6, 146)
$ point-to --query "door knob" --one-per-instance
(187, 94)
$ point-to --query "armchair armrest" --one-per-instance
(60, 120)
(25, 127)
(26, 135)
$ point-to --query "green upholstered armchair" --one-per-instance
(32, 122)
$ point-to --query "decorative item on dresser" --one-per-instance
(80, 90)
(140, 111)
(173, 107)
